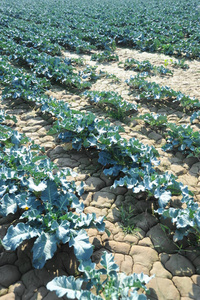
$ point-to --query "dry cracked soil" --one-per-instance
(141, 245)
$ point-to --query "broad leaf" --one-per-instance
(16, 235)
(66, 286)
(50, 194)
(110, 267)
(44, 248)
(82, 247)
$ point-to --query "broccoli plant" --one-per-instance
(107, 282)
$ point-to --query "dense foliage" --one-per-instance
(171, 27)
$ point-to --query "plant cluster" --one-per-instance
(153, 120)
(153, 91)
(184, 139)
(180, 63)
(46, 201)
(114, 286)
(112, 103)
(145, 66)
(105, 56)
(50, 212)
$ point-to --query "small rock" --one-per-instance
(99, 212)
(119, 237)
(144, 256)
(119, 247)
(144, 220)
(196, 279)
(192, 253)
(66, 162)
(31, 128)
(52, 296)
(30, 280)
(155, 136)
(10, 296)
(190, 161)
(17, 288)
(96, 241)
(188, 180)
(127, 265)
(108, 181)
(161, 241)
(39, 294)
(179, 265)
(7, 258)
(186, 287)
(114, 215)
(137, 268)
(96, 256)
(103, 199)
(160, 271)
(47, 145)
(146, 242)
(164, 257)
(163, 289)
(195, 169)
(94, 184)
(69, 262)
(9, 275)
(3, 291)
(118, 258)
(178, 170)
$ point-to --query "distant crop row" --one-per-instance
(171, 27)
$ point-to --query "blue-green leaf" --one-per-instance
(8, 204)
(16, 235)
(50, 194)
(82, 247)
(44, 248)
(66, 286)
(107, 261)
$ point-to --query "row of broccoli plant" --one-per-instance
(112, 103)
(180, 63)
(20, 32)
(118, 108)
(44, 65)
(145, 66)
(153, 91)
(105, 56)
(50, 212)
(46, 38)
(181, 138)
(131, 159)
(48, 204)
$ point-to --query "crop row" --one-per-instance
(180, 137)
(146, 90)
(44, 65)
(47, 203)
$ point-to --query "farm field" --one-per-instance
(100, 150)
